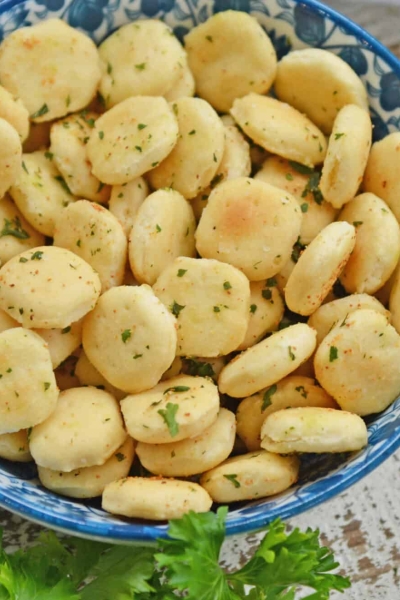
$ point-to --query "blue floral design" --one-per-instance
(221, 5)
(290, 23)
(310, 26)
(87, 14)
(355, 58)
(51, 4)
(390, 91)
(282, 43)
(151, 7)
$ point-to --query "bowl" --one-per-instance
(291, 24)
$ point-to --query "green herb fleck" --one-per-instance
(291, 355)
(267, 397)
(233, 479)
(253, 308)
(201, 369)
(181, 272)
(139, 148)
(169, 414)
(63, 184)
(333, 353)
(177, 389)
(289, 176)
(120, 457)
(109, 68)
(357, 223)
(37, 255)
(39, 113)
(68, 101)
(302, 390)
(192, 132)
(209, 38)
(304, 207)
(66, 329)
(141, 66)
(23, 259)
(101, 135)
(49, 155)
(141, 126)
(46, 385)
(125, 335)
(176, 308)
(25, 167)
(227, 285)
(137, 356)
(158, 228)
(266, 294)
(339, 135)
(216, 309)
(14, 228)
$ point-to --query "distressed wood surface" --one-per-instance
(362, 525)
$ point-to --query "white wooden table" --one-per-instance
(362, 526)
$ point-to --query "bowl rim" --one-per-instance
(123, 532)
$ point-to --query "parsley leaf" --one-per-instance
(333, 353)
(177, 389)
(39, 113)
(186, 564)
(125, 335)
(196, 367)
(14, 228)
(232, 477)
(168, 414)
(267, 397)
(176, 308)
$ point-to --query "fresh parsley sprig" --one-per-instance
(185, 565)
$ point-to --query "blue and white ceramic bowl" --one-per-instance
(291, 24)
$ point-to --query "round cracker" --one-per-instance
(377, 248)
(268, 361)
(14, 112)
(319, 83)
(183, 87)
(170, 498)
(292, 391)
(130, 338)
(40, 192)
(297, 180)
(191, 456)
(125, 201)
(280, 129)
(174, 410)
(357, 363)
(68, 147)
(140, 59)
(312, 429)
(318, 268)
(382, 173)
(194, 160)
(254, 475)
(347, 155)
(52, 67)
(235, 163)
(330, 314)
(266, 311)
(48, 287)
(230, 55)
(250, 225)
(211, 303)
(10, 156)
(16, 234)
(28, 390)
(90, 482)
(65, 442)
(95, 234)
(15, 446)
(131, 138)
(87, 374)
(62, 342)
(163, 230)
(7, 322)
